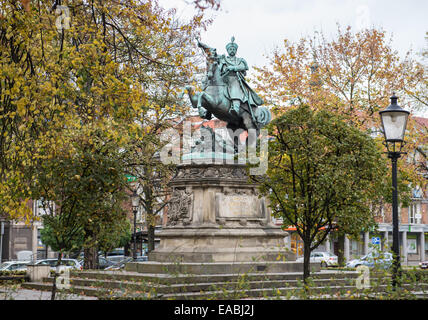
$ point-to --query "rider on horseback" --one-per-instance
(233, 69)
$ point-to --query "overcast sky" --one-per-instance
(260, 25)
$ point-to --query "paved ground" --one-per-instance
(14, 293)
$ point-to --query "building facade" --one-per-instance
(17, 237)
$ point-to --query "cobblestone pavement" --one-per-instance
(12, 293)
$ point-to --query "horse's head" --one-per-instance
(213, 72)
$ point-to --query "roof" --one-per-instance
(198, 122)
(422, 121)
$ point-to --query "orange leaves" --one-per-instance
(26, 4)
(352, 74)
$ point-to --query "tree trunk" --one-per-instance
(58, 263)
(150, 238)
(126, 250)
(150, 219)
(91, 258)
(341, 250)
(306, 260)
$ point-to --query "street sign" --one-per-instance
(375, 240)
(130, 178)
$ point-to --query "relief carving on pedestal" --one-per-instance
(179, 207)
(197, 173)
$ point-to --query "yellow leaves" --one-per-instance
(21, 106)
(9, 32)
(82, 87)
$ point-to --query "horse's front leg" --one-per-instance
(194, 98)
(203, 113)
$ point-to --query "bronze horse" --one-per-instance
(213, 100)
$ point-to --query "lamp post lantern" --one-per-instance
(394, 122)
(135, 204)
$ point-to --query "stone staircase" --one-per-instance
(253, 285)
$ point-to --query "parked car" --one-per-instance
(14, 265)
(326, 259)
(116, 259)
(121, 264)
(380, 259)
(116, 252)
(68, 263)
(423, 264)
(102, 262)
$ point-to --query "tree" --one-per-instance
(152, 181)
(97, 68)
(353, 75)
(63, 233)
(321, 170)
(419, 92)
(83, 189)
(113, 236)
(105, 61)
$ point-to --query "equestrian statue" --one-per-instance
(225, 93)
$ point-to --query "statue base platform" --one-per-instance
(216, 215)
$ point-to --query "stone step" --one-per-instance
(217, 267)
(183, 278)
(215, 291)
(283, 293)
(201, 286)
(223, 293)
(120, 284)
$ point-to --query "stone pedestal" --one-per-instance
(36, 272)
(216, 215)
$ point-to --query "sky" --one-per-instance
(261, 25)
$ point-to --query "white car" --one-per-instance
(68, 263)
(14, 266)
(324, 258)
(380, 259)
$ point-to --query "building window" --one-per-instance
(42, 207)
(415, 213)
(139, 215)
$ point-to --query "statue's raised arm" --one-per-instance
(202, 45)
(211, 52)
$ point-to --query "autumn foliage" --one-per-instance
(79, 65)
(353, 74)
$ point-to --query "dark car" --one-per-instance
(116, 252)
(102, 263)
(120, 265)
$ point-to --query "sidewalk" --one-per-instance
(27, 294)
